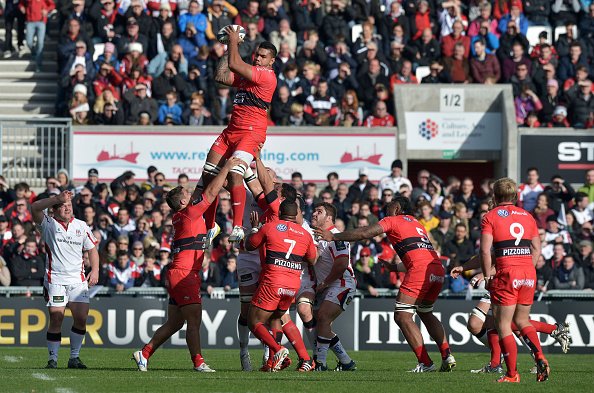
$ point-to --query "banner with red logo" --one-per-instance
(176, 152)
(453, 131)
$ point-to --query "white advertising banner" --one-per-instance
(173, 153)
(453, 131)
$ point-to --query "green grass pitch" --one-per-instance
(112, 370)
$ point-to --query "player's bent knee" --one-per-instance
(238, 170)
(246, 298)
(479, 314)
(404, 308)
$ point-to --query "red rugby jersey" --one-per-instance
(189, 227)
(252, 100)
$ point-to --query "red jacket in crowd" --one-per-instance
(386, 121)
(34, 9)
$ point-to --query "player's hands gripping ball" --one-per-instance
(231, 33)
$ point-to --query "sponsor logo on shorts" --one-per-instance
(285, 292)
(502, 213)
(434, 278)
(58, 299)
(281, 228)
(523, 283)
(245, 277)
(186, 298)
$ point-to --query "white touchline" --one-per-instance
(42, 376)
(64, 390)
(12, 359)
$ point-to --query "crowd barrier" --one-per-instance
(367, 324)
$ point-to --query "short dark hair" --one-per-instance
(579, 196)
(403, 202)
(532, 168)
(122, 253)
(332, 174)
(288, 192)
(296, 174)
(288, 209)
(268, 46)
(182, 176)
(329, 208)
(173, 198)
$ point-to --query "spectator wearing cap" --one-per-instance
(79, 96)
(64, 179)
(582, 105)
(456, 36)
(138, 101)
(67, 41)
(559, 118)
(80, 114)
(220, 13)
(484, 65)
(321, 108)
(359, 190)
(108, 23)
(395, 179)
(584, 253)
(77, 76)
(92, 179)
(564, 11)
(444, 232)
(380, 116)
(457, 65)
(134, 59)
(130, 36)
(108, 56)
(36, 13)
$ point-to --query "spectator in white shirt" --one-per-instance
(395, 179)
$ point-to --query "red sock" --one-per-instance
(294, 336)
(147, 351)
(444, 349)
(211, 213)
(543, 327)
(510, 354)
(197, 360)
(238, 196)
(493, 338)
(422, 355)
(264, 335)
(531, 338)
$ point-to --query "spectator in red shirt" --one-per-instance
(484, 65)
(448, 42)
(251, 15)
(134, 58)
(36, 12)
(405, 75)
(458, 66)
(380, 117)
(422, 19)
(107, 79)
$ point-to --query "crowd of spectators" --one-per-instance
(133, 224)
(158, 57)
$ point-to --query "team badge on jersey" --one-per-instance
(281, 228)
(340, 245)
(407, 219)
(502, 213)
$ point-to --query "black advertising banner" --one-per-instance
(569, 156)
(367, 324)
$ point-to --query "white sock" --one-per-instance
(339, 351)
(53, 345)
(243, 332)
(76, 339)
(322, 345)
(266, 354)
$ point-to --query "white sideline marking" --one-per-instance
(42, 376)
(64, 390)
(12, 359)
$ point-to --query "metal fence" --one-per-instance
(34, 149)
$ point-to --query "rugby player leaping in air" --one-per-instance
(255, 85)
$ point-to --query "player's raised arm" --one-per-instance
(351, 236)
(223, 74)
(212, 191)
(263, 176)
(39, 206)
(236, 64)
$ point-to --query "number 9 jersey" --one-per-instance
(512, 229)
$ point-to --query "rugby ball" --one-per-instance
(223, 37)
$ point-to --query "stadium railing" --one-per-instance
(220, 293)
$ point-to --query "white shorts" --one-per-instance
(343, 296)
(58, 295)
(308, 283)
(248, 269)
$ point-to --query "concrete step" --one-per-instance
(25, 97)
(8, 66)
(9, 85)
(12, 108)
(30, 76)
(24, 116)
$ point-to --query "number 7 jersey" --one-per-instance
(513, 229)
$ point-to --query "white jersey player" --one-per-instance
(335, 289)
(66, 240)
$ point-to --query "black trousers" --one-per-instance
(9, 18)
